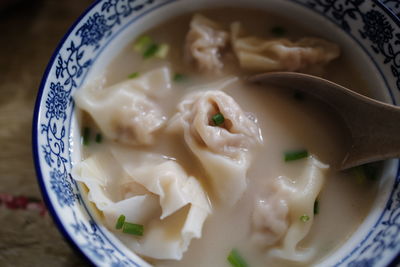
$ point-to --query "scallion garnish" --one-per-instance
(295, 155)
(235, 259)
(365, 172)
(179, 77)
(133, 228)
(162, 51)
(120, 222)
(86, 136)
(133, 75)
(371, 170)
(151, 50)
(278, 31)
(316, 206)
(218, 119)
(142, 43)
(99, 138)
(304, 218)
(359, 174)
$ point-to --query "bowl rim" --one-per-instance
(35, 127)
(35, 148)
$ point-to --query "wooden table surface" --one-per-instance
(30, 31)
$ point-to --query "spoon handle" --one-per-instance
(375, 129)
(374, 125)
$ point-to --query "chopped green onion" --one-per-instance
(142, 43)
(278, 31)
(179, 77)
(304, 218)
(295, 155)
(120, 222)
(133, 75)
(162, 51)
(133, 228)
(359, 174)
(86, 136)
(365, 172)
(235, 259)
(151, 50)
(371, 170)
(218, 119)
(316, 206)
(99, 138)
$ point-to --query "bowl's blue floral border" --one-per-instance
(393, 5)
(76, 57)
(379, 32)
(72, 62)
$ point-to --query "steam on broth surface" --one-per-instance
(176, 178)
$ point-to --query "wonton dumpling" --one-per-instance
(224, 151)
(150, 190)
(204, 43)
(258, 54)
(125, 112)
(291, 200)
(270, 217)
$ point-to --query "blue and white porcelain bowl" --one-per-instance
(368, 32)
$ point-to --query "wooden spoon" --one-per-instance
(374, 126)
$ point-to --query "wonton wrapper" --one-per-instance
(150, 190)
(258, 54)
(125, 111)
(224, 151)
(204, 43)
(270, 216)
(277, 218)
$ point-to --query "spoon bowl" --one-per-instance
(374, 125)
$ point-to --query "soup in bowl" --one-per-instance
(152, 147)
